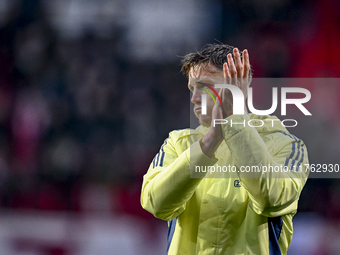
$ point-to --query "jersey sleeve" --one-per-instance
(273, 180)
(167, 185)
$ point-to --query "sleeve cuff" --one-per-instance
(197, 158)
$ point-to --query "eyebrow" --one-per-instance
(205, 80)
(204, 83)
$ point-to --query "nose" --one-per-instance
(196, 96)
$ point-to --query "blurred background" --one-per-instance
(89, 89)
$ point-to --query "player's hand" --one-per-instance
(212, 140)
(235, 73)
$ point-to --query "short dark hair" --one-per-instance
(215, 54)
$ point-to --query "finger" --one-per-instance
(220, 93)
(232, 68)
(238, 63)
(217, 111)
(246, 64)
(222, 96)
(226, 73)
(218, 102)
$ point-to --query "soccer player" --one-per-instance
(244, 212)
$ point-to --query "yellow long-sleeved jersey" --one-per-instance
(233, 214)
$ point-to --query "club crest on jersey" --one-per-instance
(237, 183)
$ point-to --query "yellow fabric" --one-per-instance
(233, 214)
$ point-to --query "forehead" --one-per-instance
(205, 71)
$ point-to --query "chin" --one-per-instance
(205, 123)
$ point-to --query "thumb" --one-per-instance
(221, 95)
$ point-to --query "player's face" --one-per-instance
(203, 74)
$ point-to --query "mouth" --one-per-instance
(196, 109)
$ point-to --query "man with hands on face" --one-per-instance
(243, 212)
